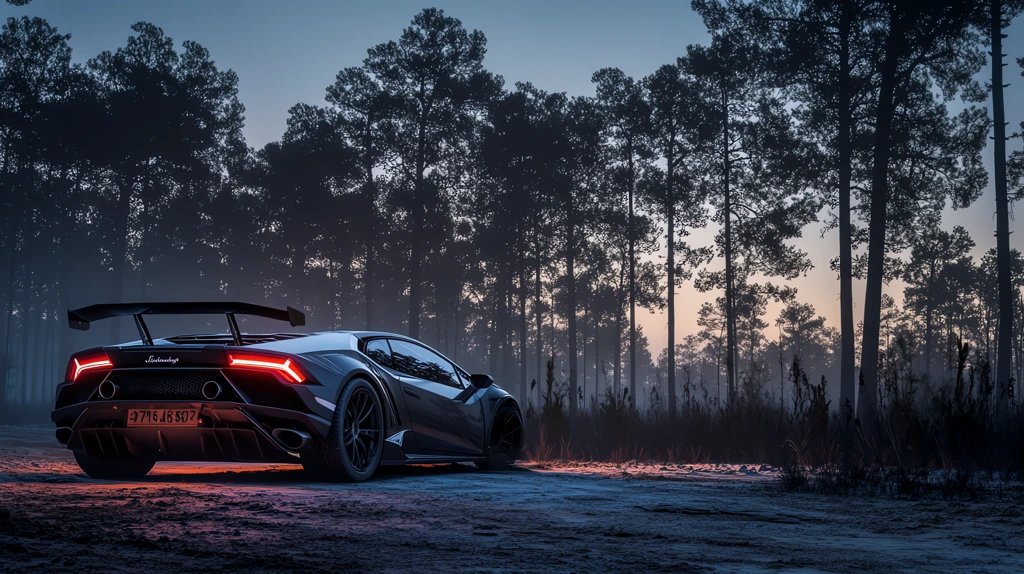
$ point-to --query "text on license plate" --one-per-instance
(163, 417)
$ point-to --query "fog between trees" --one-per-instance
(505, 225)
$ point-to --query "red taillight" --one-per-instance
(81, 364)
(286, 367)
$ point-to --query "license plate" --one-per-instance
(163, 417)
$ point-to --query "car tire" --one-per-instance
(113, 468)
(355, 443)
(504, 440)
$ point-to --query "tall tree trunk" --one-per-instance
(631, 233)
(583, 358)
(867, 403)
(37, 340)
(508, 326)
(1004, 351)
(538, 292)
(416, 259)
(144, 234)
(492, 335)
(370, 270)
(119, 251)
(618, 340)
(1020, 350)
(12, 224)
(456, 327)
(730, 311)
(27, 324)
(570, 270)
(597, 356)
(670, 224)
(523, 294)
(928, 334)
(370, 192)
(71, 237)
(847, 369)
(5, 357)
(45, 380)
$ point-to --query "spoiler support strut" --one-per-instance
(233, 327)
(147, 339)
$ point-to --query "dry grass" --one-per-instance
(950, 442)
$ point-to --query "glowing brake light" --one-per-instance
(88, 363)
(287, 369)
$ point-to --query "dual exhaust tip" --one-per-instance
(108, 389)
(211, 390)
(292, 439)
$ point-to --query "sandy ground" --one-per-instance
(568, 518)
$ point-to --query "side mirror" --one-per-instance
(481, 381)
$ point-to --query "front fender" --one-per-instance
(494, 398)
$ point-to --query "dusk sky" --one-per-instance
(288, 52)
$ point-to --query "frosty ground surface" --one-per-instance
(578, 517)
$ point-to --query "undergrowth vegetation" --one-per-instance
(929, 437)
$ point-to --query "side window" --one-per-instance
(420, 362)
(379, 351)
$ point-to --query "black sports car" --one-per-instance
(341, 402)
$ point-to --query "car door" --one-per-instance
(446, 416)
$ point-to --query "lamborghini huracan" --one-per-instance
(341, 403)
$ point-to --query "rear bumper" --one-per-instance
(227, 432)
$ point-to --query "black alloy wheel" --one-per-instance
(353, 447)
(362, 429)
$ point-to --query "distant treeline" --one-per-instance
(506, 224)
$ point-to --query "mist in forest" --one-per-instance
(507, 224)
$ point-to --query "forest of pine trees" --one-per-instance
(505, 225)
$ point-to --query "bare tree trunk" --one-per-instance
(1020, 351)
(583, 358)
(507, 328)
(632, 285)
(782, 376)
(369, 272)
(1004, 367)
(523, 294)
(928, 335)
(27, 325)
(5, 358)
(730, 311)
(597, 356)
(492, 335)
(456, 327)
(144, 234)
(867, 403)
(416, 260)
(540, 323)
(847, 372)
(39, 357)
(570, 270)
(119, 252)
(370, 191)
(618, 341)
(670, 224)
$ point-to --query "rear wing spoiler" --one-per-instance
(81, 318)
